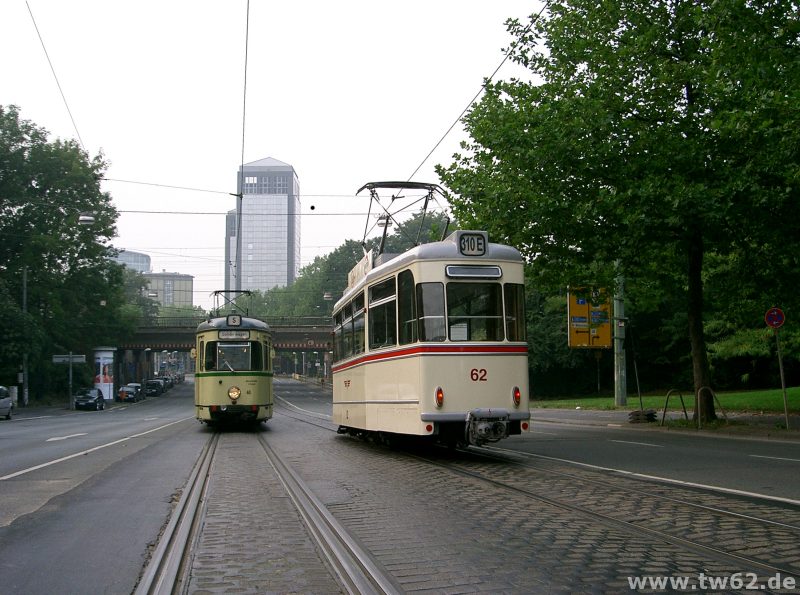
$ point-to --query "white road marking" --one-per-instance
(654, 477)
(637, 443)
(776, 458)
(57, 438)
(84, 452)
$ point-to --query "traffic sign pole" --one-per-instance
(775, 319)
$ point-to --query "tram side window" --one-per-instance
(475, 311)
(347, 331)
(210, 358)
(358, 324)
(430, 307)
(515, 311)
(257, 356)
(338, 337)
(382, 314)
(406, 308)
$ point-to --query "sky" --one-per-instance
(346, 92)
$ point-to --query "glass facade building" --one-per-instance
(270, 253)
(170, 289)
(136, 261)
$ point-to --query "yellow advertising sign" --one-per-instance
(589, 316)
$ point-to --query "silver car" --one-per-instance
(6, 404)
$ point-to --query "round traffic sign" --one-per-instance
(774, 317)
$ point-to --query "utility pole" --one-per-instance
(25, 348)
(620, 370)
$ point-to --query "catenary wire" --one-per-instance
(58, 84)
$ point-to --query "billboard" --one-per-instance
(589, 316)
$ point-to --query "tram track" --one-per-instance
(615, 508)
(735, 561)
(166, 568)
(170, 565)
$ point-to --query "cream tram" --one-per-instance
(432, 343)
(233, 379)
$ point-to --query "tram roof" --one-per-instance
(222, 323)
(446, 250)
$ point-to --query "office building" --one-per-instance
(136, 261)
(170, 289)
(270, 236)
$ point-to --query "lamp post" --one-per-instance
(83, 219)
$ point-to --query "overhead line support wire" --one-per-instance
(58, 84)
(240, 194)
(481, 90)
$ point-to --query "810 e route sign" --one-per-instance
(774, 317)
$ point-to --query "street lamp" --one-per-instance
(83, 219)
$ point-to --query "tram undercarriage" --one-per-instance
(480, 427)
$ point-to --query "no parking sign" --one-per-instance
(774, 317)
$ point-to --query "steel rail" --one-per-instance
(355, 568)
(735, 560)
(163, 572)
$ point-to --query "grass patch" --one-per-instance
(766, 401)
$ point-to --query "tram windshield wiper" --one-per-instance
(224, 361)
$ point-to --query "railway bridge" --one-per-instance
(302, 345)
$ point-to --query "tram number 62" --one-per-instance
(477, 375)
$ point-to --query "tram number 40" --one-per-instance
(477, 375)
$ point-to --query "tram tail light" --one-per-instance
(516, 395)
(439, 396)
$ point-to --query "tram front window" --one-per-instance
(475, 311)
(233, 357)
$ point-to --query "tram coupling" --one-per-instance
(486, 425)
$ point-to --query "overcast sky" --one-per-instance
(346, 92)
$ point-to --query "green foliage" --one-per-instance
(73, 292)
(660, 135)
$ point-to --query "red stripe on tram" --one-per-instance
(434, 350)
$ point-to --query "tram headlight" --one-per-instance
(516, 396)
(439, 396)
(234, 393)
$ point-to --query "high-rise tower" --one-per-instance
(270, 228)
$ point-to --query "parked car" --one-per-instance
(90, 398)
(153, 388)
(6, 404)
(139, 389)
(127, 393)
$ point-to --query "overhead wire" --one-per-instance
(480, 91)
(240, 190)
(55, 76)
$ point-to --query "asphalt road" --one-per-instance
(768, 467)
(83, 494)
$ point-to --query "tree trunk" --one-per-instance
(704, 403)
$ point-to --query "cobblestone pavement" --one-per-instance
(435, 531)
(253, 540)
(439, 532)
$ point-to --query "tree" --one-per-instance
(58, 288)
(661, 132)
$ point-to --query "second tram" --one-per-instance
(432, 342)
(233, 381)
